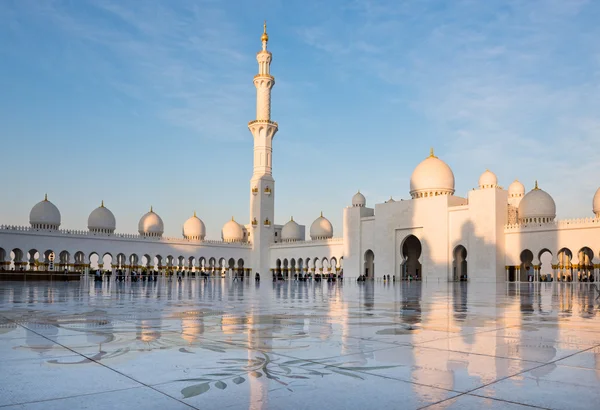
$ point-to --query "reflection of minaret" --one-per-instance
(259, 386)
(262, 184)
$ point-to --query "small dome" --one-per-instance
(431, 177)
(516, 189)
(232, 231)
(44, 215)
(102, 220)
(151, 224)
(194, 229)
(488, 180)
(321, 228)
(596, 203)
(291, 232)
(537, 206)
(359, 200)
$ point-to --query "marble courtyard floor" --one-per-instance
(222, 344)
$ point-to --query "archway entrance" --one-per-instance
(459, 265)
(369, 270)
(411, 252)
(527, 273)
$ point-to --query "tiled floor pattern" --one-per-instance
(219, 344)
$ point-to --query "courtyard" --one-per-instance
(221, 344)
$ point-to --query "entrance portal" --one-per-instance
(411, 252)
(369, 271)
(459, 266)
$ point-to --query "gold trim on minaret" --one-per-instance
(265, 36)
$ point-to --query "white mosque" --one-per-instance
(492, 235)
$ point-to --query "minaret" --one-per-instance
(262, 184)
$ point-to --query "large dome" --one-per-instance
(44, 215)
(291, 232)
(359, 200)
(516, 189)
(432, 177)
(102, 220)
(596, 203)
(488, 180)
(194, 229)
(151, 224)
(232, 231)
(321, 228)
(537, 206)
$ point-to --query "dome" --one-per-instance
(432, 177)
(102, 220)
(516, 189)
(321, 228)
(537, 206)
(194, 229)
(44, 215)
(596, 203)
(232, 231)
(151, 224)
(291, 232)
(488, 180)
(359, 199)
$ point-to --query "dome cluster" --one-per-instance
(488, 180)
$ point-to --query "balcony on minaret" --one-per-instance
(267, 191)
(254, 223)
(255, 191)
(267, 222)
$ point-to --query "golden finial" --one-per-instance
(536, 185)
(151, 208)
(46, 197)
(102, 204)
(232, 218)
(265, 36)
(431, 154)
(321, 214)
(195, 214)
(292, 219)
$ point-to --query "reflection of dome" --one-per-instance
(359, 199)
(432, 177)
(596, 203)
(102, 220)
(194, 229)
(44, 215)
(321, 228)
(291, 232)
(151, 224)
(488, 180)
(516, 189)
(537, 206)
(232, 231)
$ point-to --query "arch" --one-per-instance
(292, 268)
(545, 268)
(527, 273)
(17, 261)
(33, 259)
(94, 260)
(240, 264)
(459, 264)
(585, 266)
(369, 264)
(565, 258)
(411, 252)
(121, 260)
(107, 261)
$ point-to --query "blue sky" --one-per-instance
(147, 103)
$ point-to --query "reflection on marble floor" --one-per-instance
(223, 344)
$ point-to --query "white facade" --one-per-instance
(493, 235)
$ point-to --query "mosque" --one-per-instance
(492, 235)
